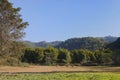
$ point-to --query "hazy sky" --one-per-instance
(52, 20)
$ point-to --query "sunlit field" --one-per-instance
(62, 76)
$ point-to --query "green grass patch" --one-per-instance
(62, 76)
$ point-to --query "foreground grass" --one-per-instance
(62, 76)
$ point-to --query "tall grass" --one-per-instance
(62, 76)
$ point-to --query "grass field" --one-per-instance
(60, 73)
(63, 76)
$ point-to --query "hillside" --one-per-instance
(42, 43)
(91, 43)
(83, 43)
(110, 38)
(114, 45)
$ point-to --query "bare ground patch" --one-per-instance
(40, 69)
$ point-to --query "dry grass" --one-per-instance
(8, 69)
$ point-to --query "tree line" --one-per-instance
(54, 56)
(84, 51)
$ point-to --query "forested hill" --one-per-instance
(114, 45)
(90, 43)
(83, 43)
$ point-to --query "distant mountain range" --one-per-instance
(76, 43)
(42, 43)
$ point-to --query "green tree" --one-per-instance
(30, 56)
(115, 47)
(77, 56)
(64, 56)
(103, 56)
(50, 55)
(40, 56)
(82, 56)
(34, 56)
(116, 56)
(11, 27)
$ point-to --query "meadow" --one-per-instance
(63, 76)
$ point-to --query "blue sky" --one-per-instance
(51, 20)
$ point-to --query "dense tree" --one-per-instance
(115, 47)
(64, 56)
(83, 43)
(103, 56)
(40, 56)
(77, 56)
(50, 55)
(11, 27)
(82, 56)
(30, 56)
(34, 56)
(116, 57)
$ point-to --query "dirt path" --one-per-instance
(32, 69)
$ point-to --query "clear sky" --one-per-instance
(51, 20)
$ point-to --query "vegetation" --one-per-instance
(115, 47)
(80, 51)
(62, 76)
(87, 51)
(107, 55)
(64, 56)
(104, 55)
(83, 43)
(11, 30)
(53, 56)
(44, 44)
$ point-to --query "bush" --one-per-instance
(31, 56)
(50, 56)
(64, 56)
(10, 61)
